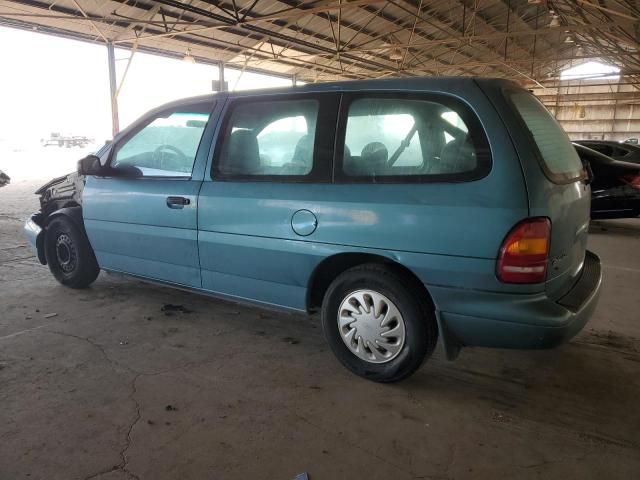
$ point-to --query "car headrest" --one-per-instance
(240, 154)
(457, 156)
(303, 153)
(373, 157)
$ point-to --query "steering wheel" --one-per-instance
(174, 161)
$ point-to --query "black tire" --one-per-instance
(69, 254)
(421, 329)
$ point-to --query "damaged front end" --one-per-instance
(62, 194)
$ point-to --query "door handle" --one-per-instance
(177, 202)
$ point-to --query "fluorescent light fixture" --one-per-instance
(591, 71)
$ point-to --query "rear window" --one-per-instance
(560, 159)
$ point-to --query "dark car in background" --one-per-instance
(626, 152)
(615, 187)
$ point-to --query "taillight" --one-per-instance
(633, 180)
(524, 253)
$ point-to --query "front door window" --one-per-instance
(165, 147)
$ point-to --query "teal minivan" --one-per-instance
(403, 210)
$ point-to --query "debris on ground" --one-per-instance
(50, 315)
(4, 179)
(170, 408)
(302, 476)
(170, 309)
(501, 418)
(291, 340)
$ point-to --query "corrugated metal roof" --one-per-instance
(324, 40)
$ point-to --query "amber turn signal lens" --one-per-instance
(524, 253)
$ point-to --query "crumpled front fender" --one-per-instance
(35, 228)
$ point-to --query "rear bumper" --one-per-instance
(34, 234)
(488, 319)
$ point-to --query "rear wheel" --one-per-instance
(377, 325)
(69, 254)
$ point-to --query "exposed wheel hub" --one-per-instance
(371, 326)
(66, 253)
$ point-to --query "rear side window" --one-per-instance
(620, 152)
(269, 139)
(560, 160)
(406, 138)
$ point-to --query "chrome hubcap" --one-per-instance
(65, 253)
(371, 326)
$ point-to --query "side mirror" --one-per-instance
(89, 165)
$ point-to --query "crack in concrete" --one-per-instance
(124, 460)
(104, 353)
(123, 453)
(123, 465)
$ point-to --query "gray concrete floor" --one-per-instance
(112, 388)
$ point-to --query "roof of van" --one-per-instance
(409, 84)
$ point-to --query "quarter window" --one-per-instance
(556, 151)
(269, 138)
(387, 138)
(166, 146)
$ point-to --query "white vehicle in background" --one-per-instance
(56, 139)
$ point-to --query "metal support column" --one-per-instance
(115, 124)
(221, 76)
